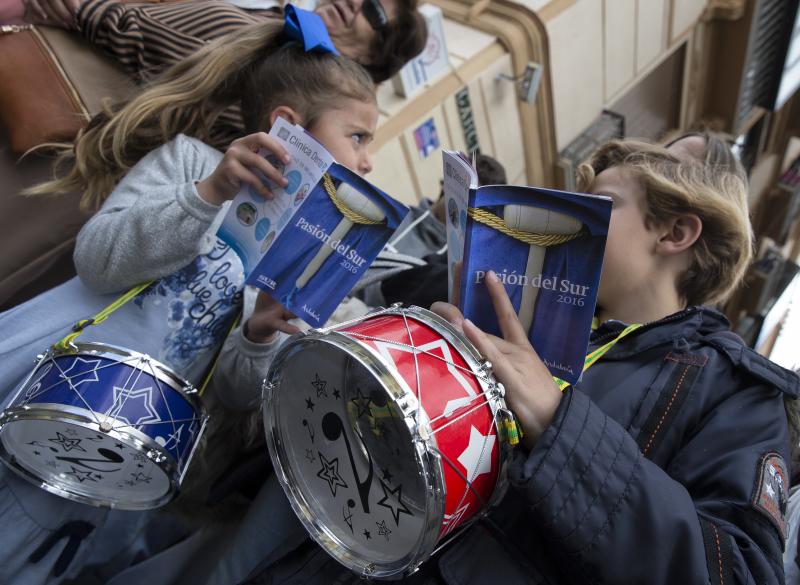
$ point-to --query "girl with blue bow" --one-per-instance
(161, 193)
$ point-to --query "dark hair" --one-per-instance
(490, 171)
(309, 82)
(403, 39)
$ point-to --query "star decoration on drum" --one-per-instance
(319, 384)
(309, 405)
(330, 473)
(66, 443)
(81, 476)
(81, 371)
(390, 496)
(362, 403)
(383, 530)
(477, 457)
(133, 407)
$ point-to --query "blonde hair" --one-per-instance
(674, 187)
(249, 66)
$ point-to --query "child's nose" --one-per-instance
(366, 164)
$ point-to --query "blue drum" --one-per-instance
(104, 426)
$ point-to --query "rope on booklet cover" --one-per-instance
(355, 217)
(545, 241)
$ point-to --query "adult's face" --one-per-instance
(350, 30)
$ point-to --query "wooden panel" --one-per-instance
(652, 106)
(456, 130)
(463, 41)
(428, 169)
(684, 14)
(502, 106)
(651, 37)
(391, 172)
(576, 67)
(482, 117)
(620, 44)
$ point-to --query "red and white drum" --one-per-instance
(384, 436)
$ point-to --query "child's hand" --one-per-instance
(268, 318)
(242, 164)
(531, 392)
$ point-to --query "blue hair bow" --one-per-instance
(308, 29)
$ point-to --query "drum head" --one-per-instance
(75, 461)
(346, 456)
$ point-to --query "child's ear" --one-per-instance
(680, 233)
(286, 113)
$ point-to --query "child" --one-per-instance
(159, 223)
(666, 462)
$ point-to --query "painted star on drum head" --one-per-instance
(389, 497)
(330, 473)
(319, 384)
(66, 443)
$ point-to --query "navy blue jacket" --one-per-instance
(650, 472)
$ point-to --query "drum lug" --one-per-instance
(498, 390)
(155, 456)
(190, 389)
(485, 368)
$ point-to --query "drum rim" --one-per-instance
(429, 462)
(132, 438)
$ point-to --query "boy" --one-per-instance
(666, 463)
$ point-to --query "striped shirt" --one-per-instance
(147, 38)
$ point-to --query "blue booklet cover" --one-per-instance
(309, 246)
(546, 247)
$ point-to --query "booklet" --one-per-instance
(546, 247)
(309, 245)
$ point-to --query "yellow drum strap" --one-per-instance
(592, 358)
(67, 343)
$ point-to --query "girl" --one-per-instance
(159, 223)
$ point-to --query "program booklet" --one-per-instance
(309, 245)
(546, 246)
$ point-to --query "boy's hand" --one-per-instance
(242, 165)
(531, 392)
(268, 318)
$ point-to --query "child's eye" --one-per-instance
(357, 138)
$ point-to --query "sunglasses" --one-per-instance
(375, 14)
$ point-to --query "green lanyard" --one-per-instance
(598, 353)
(68, 342)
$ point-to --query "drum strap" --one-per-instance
(67, 342)
(594, 356)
